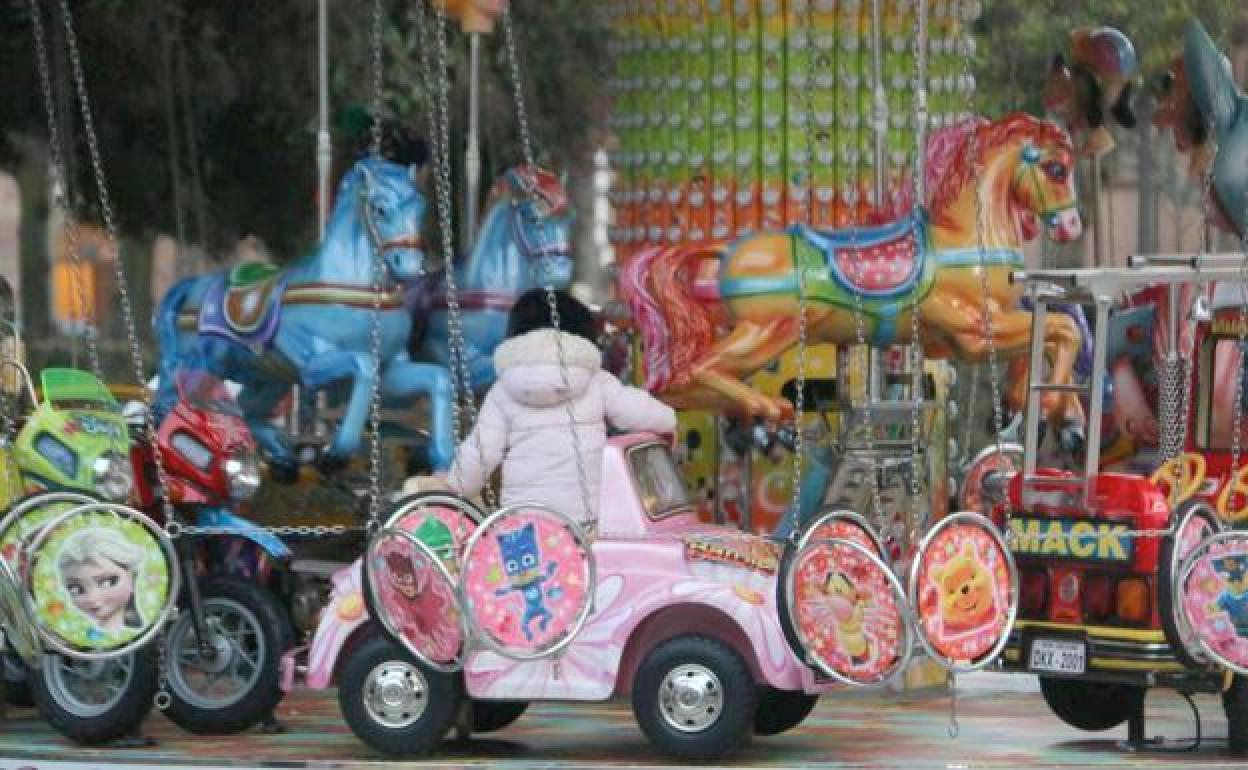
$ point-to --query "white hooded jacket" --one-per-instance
(524, 423)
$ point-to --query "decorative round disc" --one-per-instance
(847, 611)
(18, 629)
(1213, 591)
(1198, 525)
(27, 518)
(443, 522)
(1007, 461)
(843, 525)
(411, 593)
(102, 580)
(528, 581)
(964, 588)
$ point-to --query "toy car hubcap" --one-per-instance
(396, 694)
(691, 698)
(87, 689)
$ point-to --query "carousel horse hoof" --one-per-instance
(330, 464)
(283, 472)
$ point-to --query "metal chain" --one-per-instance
(437, 84)
(375, 247)
(290, 530)
(799, 399)
(952, 682)
(526, 145)
(60, 182)
(162, 699)
(375, 128)
(1237, 425)
(127, 307)
(918, 187)
(994, 373)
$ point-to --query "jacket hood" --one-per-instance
(529, 371)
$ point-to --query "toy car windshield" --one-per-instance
(74, 389)
(206, 392)
(659, 483)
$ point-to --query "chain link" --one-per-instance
(526, 146)
(376, 247)
(110, 224)
(378, 74)
(437, 84)
(323, 530)
(60, 188)
(1237, 425)
(918, 187)
(994, 373)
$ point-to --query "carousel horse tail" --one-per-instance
(165, 327)
(689, 323)
(647, 315)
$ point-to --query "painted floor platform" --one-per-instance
(1003, 720)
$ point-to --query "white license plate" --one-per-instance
(1061, 656)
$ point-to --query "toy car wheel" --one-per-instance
(491, 715)
(393, 703)
(781, 710)
(1092, 706)
(1235, 703)
(93, 702)
(239, 684)
(694, 698)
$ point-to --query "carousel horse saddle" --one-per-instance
(243, 305)
(878, 261)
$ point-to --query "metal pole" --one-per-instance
(472, 150)
(1098, 232)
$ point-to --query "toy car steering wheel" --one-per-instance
(1181, 476)
(1238, 485)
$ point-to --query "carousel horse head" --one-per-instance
(384, 200)
(1098, 80)
(540, 221)
(1175, 110)
(1224, 109)
(1044, 186)
(1025, 170)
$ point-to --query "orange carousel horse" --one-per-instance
(710, 316)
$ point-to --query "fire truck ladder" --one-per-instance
(1099, 288)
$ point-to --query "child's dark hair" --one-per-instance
(532, 312)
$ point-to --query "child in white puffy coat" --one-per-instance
(524, 423)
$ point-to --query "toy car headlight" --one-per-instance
(243, 473)
(114, 477)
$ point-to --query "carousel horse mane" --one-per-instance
(960, 171)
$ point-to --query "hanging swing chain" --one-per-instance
(860, 332)
(60, 182)
(1237, 424)
(918, 186)
(526, 146)
(799, 399)
(127, 308)
(375, 248)
(438, 86)
(994, 373)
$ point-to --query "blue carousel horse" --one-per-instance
(523, 243)
(310, 323)
(1225, 109)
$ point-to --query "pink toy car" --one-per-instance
(680, 615)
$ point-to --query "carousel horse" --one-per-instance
(681, 296)
(1097, 82)
(311, 323)
(523, 244)
(1206, 109)
(1177, 112)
